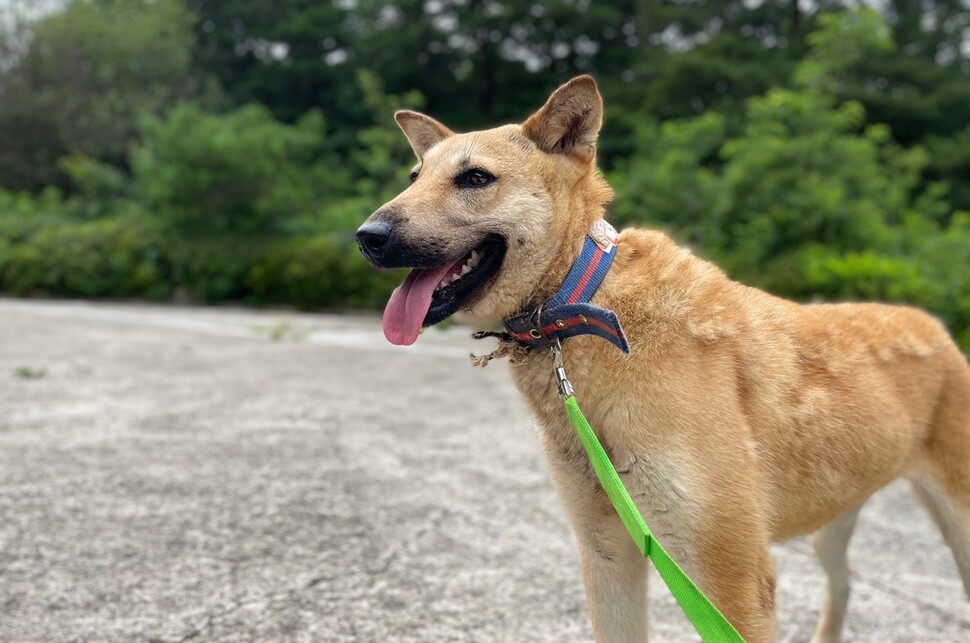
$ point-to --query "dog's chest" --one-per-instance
(658, 478)
(657, 472)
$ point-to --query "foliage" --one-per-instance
(109, 257)
(240, 172)
(44, 250)
(225, 150)
(86, 76)
(100, 187)
(666, 179)
(375, 169)
(808, 200)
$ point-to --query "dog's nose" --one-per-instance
(373, 237)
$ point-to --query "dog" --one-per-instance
(737, 419)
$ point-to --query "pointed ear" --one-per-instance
(423, 132)
(569, 121)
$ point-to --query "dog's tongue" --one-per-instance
(409, 304)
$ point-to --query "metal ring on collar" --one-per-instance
(536, 320)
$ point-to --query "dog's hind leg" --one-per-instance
(942, 482)
(831, 543)
(953, 519)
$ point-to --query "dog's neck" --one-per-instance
(566, 256)
(587, 201)
(568, 312)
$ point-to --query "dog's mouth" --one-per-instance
(430, 295)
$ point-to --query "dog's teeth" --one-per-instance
(443, 284)
(474, 259)
(455, 276)
(466, 269)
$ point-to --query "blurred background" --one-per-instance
(266, 470)
(225, 150)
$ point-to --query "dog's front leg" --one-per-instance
(615, 577)
(614, 571)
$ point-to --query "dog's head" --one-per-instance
(488, 213)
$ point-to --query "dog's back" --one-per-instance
(839, 399)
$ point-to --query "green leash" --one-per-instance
(706, 619)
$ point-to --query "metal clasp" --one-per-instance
(536, 332)
(565, 386)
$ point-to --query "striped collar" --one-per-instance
(568, 312)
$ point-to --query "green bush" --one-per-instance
(319, 271)
(122, 256)
(218, 207)
(312, 272)
(236, 173)
(46, 250)
(102, 189)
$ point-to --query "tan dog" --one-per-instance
(739, 419)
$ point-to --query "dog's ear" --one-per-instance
(569, 121)
(423, 132)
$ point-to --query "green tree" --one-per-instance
(77, 80)
(921, 89)
(808, 199)
(666, 59)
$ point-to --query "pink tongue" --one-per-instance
(409, 304)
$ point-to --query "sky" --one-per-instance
(26, 8)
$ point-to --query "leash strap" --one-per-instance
(703, 615)
(566, 314)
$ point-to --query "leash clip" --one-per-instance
(565, 386)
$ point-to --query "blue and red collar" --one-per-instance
(568, 312)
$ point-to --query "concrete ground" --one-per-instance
(174, 474)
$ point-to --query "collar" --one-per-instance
(568, 312)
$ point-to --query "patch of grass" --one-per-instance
(28, 373)
(275, 332)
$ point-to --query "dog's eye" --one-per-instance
(414, 177)
(474, 179)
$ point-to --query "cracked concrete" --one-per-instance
(177, 474)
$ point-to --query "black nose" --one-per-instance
(373, 237)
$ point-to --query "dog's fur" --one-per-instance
(739, 419)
